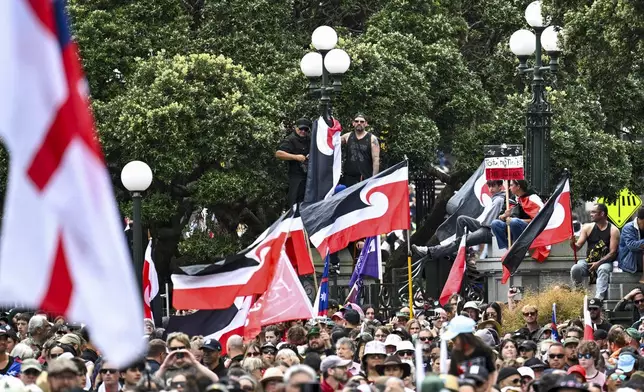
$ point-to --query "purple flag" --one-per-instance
(369, 263)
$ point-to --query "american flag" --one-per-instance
(555, 334)
(322, 301)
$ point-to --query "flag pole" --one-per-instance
(409, 277)
(572, 226)
(308, 247)
(507, 207)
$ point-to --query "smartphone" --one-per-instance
(179, 355)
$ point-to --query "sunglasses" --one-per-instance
(54, 356)
(616, 376)
(526, 314)
(639, 301)
(177, 348)
(425, 338)
(553, 356)
(406, 353)
(110, 371)
(587, 355)
(178, 384)
(304, 129)
(359, 121)
(271, 352)
(253, 354)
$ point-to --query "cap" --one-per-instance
(352, 317)
(268, 346)
(633, 333)
(30, 364)
(334, 361)
(374, 347)
(405, 345)
(507, 372)
(476, 373)
(595, 303)
(626, 362)
(394, 360)
(337, 316)
(525, 371)
(471, 305)
(313, 331)
(61, 365)
(486, 336)
(528, 345)
(577, 369)
(70, 338)
(600, 334)
(458, 325)
(568, 341)
(393, 340)
(304, 122)
(534, 363)
(567, 383)
(211, 344)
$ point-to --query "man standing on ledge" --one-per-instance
(363, 153)
(295, 149)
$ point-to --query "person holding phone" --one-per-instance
(181, 361)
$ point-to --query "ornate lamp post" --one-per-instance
(136, 176)
(325, 68)
(525, 43)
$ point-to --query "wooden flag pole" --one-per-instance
(507, 207)
(409, 278)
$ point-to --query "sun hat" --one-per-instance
(525, 371)
(272, 374)
(458, 325)
(405, 345)
(393, 340)
(471, 305)
(489, 323)
(394, 360)
(374, 347)
(333, 361)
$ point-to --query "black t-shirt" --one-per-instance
(605, 326)
(293, 144)
(479, 357)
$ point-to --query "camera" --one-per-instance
(179, 355)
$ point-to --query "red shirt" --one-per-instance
(325, 387)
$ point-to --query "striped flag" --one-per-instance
(57, 180)
(322, 301)
(455, 278)
(325, 161)
(589, 331)
(150, 282)
(553, 325)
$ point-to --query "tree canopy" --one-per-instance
(203, 91)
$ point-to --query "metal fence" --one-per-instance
(425, 193)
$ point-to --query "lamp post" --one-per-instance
(325, 68)
(525, 43)
(136, 176)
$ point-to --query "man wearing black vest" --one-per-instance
(603, 243)
(362, 153)
(295, 150)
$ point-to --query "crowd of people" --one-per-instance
(463, 346)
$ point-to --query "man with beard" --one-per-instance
(295, 150)
(39, 328)
(62, 376)
(595, 310)
(334, 373)
(319, 342)
(603, 244)
(363, 153)
(212, 357)
(570, 349)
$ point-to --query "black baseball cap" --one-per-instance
(304, 122)
(211, 344)
(595, 302)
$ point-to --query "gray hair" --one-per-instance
(251, 364)
(289, 354)
(297, 369)
(37, 321)
(346, 342)
(22, 351)
(235, 342)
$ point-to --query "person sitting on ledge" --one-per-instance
(528, 206)
(603, 241)
(631, 245)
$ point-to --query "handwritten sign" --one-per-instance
(504, 162)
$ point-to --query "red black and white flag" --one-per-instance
(297, 247)
(249, 272)
(325, 161)
(150, 282)
(377, 205)
(455, 278)
(553, 224)
(589, 331)
(217, 324)
(473, 200)
(504, 162)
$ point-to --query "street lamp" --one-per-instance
(525, 43)
(136, 177)
(325, 68)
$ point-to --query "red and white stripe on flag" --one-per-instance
(150, 282)
(504, 168)
(455, 278)
(61, 223)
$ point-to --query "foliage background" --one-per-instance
(203, 90)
